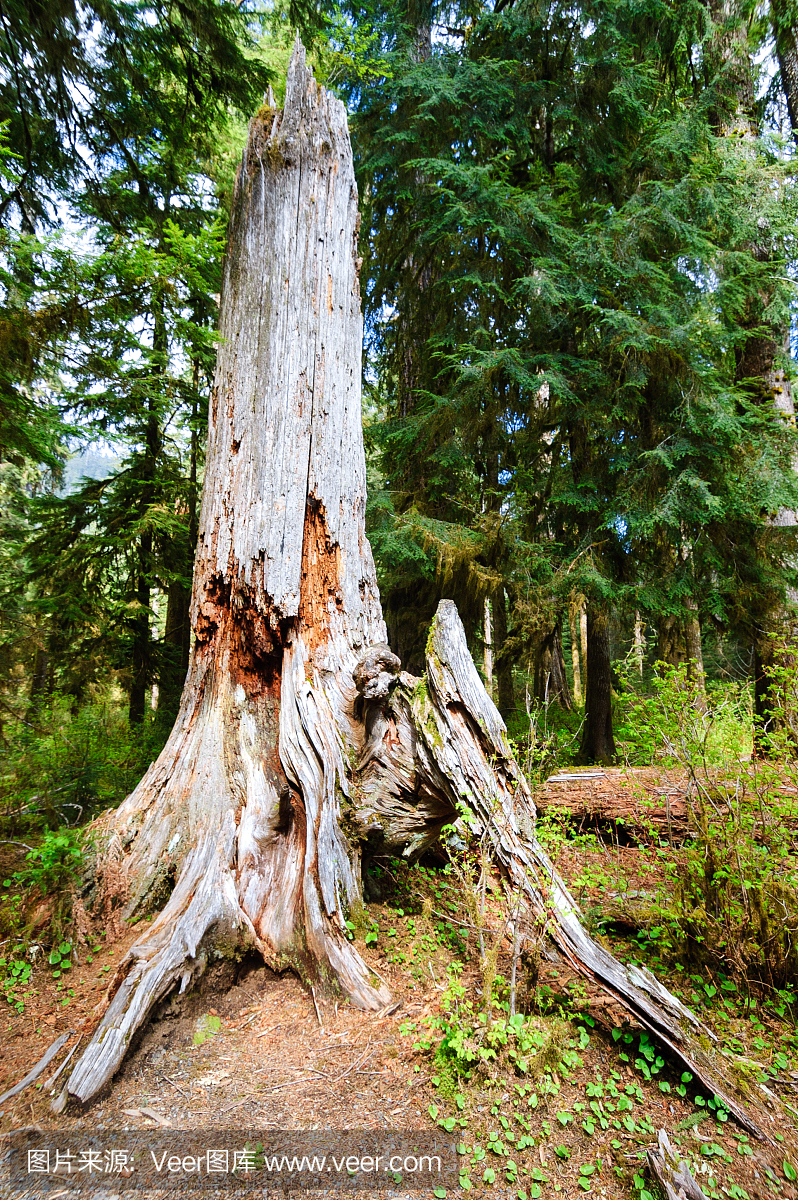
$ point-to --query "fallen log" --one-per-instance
(641, 803)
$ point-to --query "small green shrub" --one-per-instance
(734, 903)
(55, 864)
(52, 868)
(14, 974)
(462, 1040)
(736, 887)
(71, 765)
(544, 739)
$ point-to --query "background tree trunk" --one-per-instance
(503, 663)
(598, 743)
(295, 713)
(574, 611)
(639, 644)
(782, 15)
(694, 653)
(488, 649)
(670, 640)
(583, 641)
(41, 681)
(550, 680)
(761, 357)
(175, 650)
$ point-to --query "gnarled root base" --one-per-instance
(252, 836)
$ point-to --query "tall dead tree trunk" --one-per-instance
(296, 721)
(240, 817)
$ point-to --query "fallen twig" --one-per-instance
(456, 920)
(286, 1083)
(41, 1066)
(354, 1065)
(315, 1005)
(374, 971)
(164, 1122)
(237, 1104)
(174, 1085)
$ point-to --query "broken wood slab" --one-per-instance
(671, 1172)
(48, 1083)
(439, 743)
(40, 1067)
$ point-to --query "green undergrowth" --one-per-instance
(720, 898)
(637, 902)
(544, 1095)
(61, 765)
(48, 873)
(675, 719)
(526, 1095)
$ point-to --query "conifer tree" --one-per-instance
(569, 184)
(123, 124)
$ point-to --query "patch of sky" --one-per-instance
(93, 462)
(621, 527)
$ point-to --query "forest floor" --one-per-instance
(250, 1051)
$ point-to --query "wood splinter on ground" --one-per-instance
(39, 1069)
(671, 1172)
(301, 747)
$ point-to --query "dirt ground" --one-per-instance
(253, 1051)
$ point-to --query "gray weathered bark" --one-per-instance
(299, 739)
(239, 820)
(672, 1173)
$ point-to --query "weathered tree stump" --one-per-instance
(299, 740)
